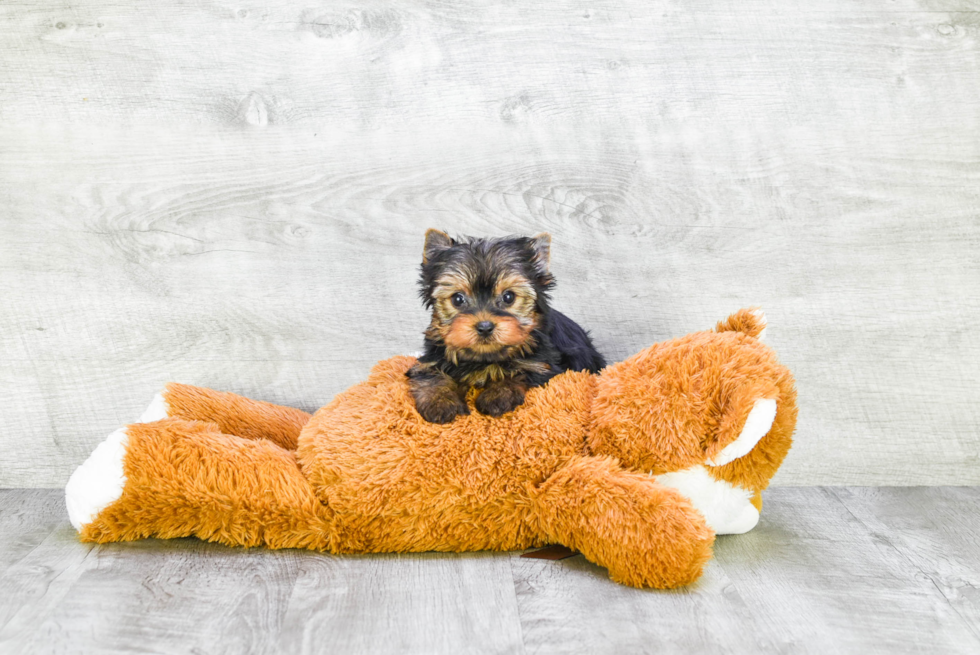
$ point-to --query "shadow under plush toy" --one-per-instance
(637, 467)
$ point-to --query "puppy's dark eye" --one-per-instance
(458, 300)
(508, 297)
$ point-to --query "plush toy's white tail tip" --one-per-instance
(158, 410)
(98, 482)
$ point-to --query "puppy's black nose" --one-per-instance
(484, 328)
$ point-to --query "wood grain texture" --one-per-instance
(235, 196)
(431, 603)
(27, 518)
(926, 526)
(188, 596)
(850, 586)
(569, 606)
(828, 570)
(817, 575)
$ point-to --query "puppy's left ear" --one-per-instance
(541, 246)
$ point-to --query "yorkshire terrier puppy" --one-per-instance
(492, 327)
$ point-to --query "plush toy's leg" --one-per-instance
(753, 435)
(645, 534)
(237, 415)
(177, 478)
(727, 508)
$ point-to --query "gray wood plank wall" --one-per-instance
(234, 195)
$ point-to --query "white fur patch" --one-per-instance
(757, 425)
(98, 482)
(761, 315)
(157, 411)
(726, 508)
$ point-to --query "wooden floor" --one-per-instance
(828, 570)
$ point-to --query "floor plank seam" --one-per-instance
(517, 602)
(965, 620)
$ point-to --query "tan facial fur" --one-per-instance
(457, 328)
(508, 332)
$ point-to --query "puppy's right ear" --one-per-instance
(435, 242)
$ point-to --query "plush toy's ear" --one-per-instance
(435, 242)
(541, 245)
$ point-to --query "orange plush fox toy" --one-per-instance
(637, 468)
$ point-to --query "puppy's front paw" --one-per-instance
(441, 409)
(438, 398)
(498, 399)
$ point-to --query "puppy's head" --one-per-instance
(486, 295)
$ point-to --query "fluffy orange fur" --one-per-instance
(186, 478)
(696, 393)
(366, 473)
(233, 414)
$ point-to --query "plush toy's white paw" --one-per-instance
(98, 482)
(757, 425)
(727, 509)
(157, 411)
